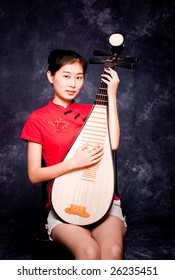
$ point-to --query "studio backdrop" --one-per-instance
(145, 159)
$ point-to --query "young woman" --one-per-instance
(50, 131)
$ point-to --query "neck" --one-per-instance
(60, 102)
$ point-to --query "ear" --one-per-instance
(50, 77)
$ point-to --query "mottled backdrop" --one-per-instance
(29, 30)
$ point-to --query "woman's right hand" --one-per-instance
(87, 155)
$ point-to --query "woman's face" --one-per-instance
(67, 83)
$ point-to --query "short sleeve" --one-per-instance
(31, 130)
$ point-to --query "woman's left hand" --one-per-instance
(111, 79)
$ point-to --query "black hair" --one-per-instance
(58, 57)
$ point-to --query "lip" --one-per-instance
(71, 92)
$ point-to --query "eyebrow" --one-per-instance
(81, 73)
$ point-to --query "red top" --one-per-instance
(55, 128)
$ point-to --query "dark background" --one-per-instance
(29, 30)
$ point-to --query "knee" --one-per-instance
(90, 252)
(115, 252)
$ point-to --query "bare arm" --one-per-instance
(114, 127)
(85, 156)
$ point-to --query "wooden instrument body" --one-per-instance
(83, 197)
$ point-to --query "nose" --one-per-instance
(72, 82)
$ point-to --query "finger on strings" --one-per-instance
(111, 71)
(97, 156)
(105, 78)
(96, 147)
(85, 146)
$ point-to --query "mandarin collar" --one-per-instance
(60, 106)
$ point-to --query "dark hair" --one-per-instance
(58, 57)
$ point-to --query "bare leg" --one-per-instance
(78, 240)
(109, 236)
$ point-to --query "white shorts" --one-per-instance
(53, 220)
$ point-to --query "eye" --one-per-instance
(66, 76)
(80, 78)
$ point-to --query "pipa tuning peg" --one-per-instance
(125, 64)
(129, 59)
(96, 61)
(101, 53)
